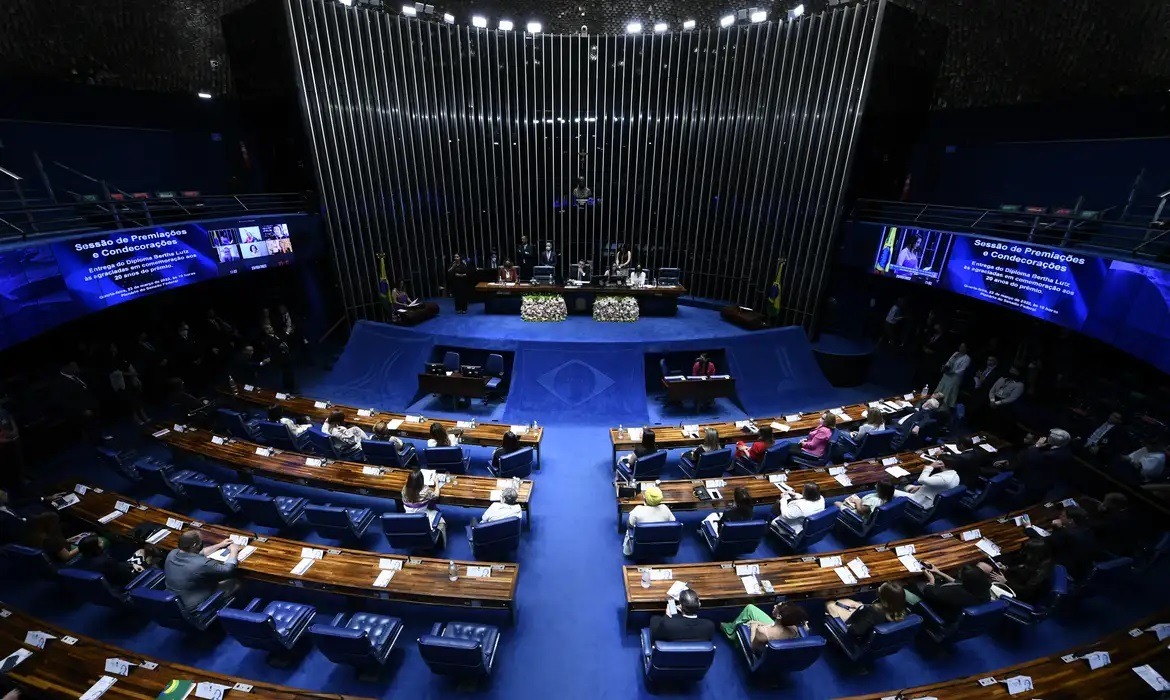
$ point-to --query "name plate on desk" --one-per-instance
(792, 418)
(365, 412)
(311, 553)
(217, 440)
(320, 404)
(263, 452)
(780, 427)
(280, 396)
(314, 461)
(479, 572)
(371, 471)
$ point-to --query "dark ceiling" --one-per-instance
(998, 51)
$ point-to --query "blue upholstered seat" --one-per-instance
(363, 640)
(781, 657)
(121, 461)
(271, 511)
(276, 628)
(352, 522)
(774, 460)
(972, 621)
(92, 587)
(944, 504)
(885, 639)
(1103, 575)
(235, 424)
(281, 436)
(409, 531)
(648, 468)
(162, 477)
(815, 528)
(711, 465)
(978, 497)
(494, 369)
(385, 453)
(675, 662)
(320, 443)
(876, 522)
(875, 443)
(163, 608)
(462, 649)
(210, 495)
(446, 459)
(1023, 613)
(655, 541)
(733, 539)
(514, 464)
(494, 541)
(27, 560)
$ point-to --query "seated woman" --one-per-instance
(648, 446)
(417, 497)
(638, 277)
(511, 443)
(43, 532)
(860, 620)
(652, 510)
(95, 558)
(347, 438)
(874, 420)
(755, 452)
(508, 273)
(381, 431)
(817, 442)
(276, 414)
(404, 306)
(441, 438)
(742, 510)
(948, 595)
(792, 509)
(710, 444)
(785, 622)
(883, 493)
(1027, 572)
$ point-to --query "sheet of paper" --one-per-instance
(908, 397)
(158, 535)
(1162, 630)
(160, 433)
(314, 462)
(635, 434)
(675, 589)
(970, 535)
(383, 579)
(418, 419)
(496, 494)
(779, 427)
(910, 563)
(1040, 531)
(1097, 659)
(1152, 677)
(989, 548)
(904, 550)
(843, 479)
(845, 575)
(302, 566)
(1018, 684)
(80, 489)
(889, 461)
(174, 523)
(210, 691)
(110, 517)
(320, 404)
(365, 412)
(428, 476)
(312, 553)
(371, 471)
(897, 472)
(15, 658)
(751, 585)
(1022, 520)
(389, 564)
(36, 638)
(479, 572)
(98, 689)
(830, 562)
(859, 569)
(954, 449)
(394, 424)
(245, 553)
(263, 452)
(715, 483)
(792, 417)
(834, 471)
(178, 428)
(217, 440)
(662, 574)
(249, 387)
(463, 424)
(985, 446)
(241, 540)
(118, 667)
(777, 478)
(281, 396)
(747, 569)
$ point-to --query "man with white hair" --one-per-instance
(506, 507)
(1036, 467)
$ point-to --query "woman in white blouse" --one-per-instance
(874, 420)
(792, 509)
(652, 510)
(638, 277)
(953, 372)
(931, 483)
(441, 438)
(347, 437)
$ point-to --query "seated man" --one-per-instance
(1037, 467)
(506, 507)
(1145, 464)
(686, 626)
(347, 439)
(192, 576)
(1107, 439)
(94, 557)
(931, 482)
(1073, 542)
(972, 463)
(929, 421)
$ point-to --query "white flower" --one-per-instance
(543, 308)
(613, 308)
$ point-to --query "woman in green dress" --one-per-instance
(785, 622)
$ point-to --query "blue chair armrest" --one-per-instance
(929, 615)
(437, 629)
(1015, 604)
(836, 623)
(254, 606)
(779, 523)
(148, 579)
(213, 601)
(647, 643)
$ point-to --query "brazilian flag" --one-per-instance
(774, 290)
(383, 280)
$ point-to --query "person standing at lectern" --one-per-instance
(548, 256)
(460, 275)
(526, 256)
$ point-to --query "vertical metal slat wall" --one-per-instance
(718, 151)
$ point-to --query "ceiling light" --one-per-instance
(634, 28)
(479, 21)
(660, 27)
(689, 24)
(726, 20)
(534, 27)
(758, 16)
(506, 25)
(798, 10)
(448, 18)
(204, 95)
(409, 10)
(347, 3)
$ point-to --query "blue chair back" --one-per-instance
(445, 459)
(208, 495)
(320, 443)
(163, 607)
(990, 491)
(496, 540)
(1109, 573)
(775, 459)
(656, 540)
(974, 621)
(451, 361)
(384, 453)
(713, 465)
(344, 521)
(161, 477)
(494, 366)
(120, 461)
(232, 422)
(92, 587)
(516, 464)
(276, 628)
(408, 530)
(650, 467)
(280, 435)
(265, 510)
(739, 538)
(944, 504)
(891, 637)
(452, 657)
(815, 528)
(874, 444)
(362, 640)
(782, 657)
(22, 559)
(678, 662)
(885, 515)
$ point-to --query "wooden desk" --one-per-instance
(453, 385)
(1053, 678)
(680, 495)
(68, 670)
(652, 301)
(801, 576)
(671, 437)
(484, 434)
(333, 475)
(699, 389)
(346, 572)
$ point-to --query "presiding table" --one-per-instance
(719, 584)
(766, 488)
(346, 572)
(797, 424)
(680, 389)
(502, 298)
(71, 663)
(403, 425)
(1055, 676)
(453, 384)
(252, 459)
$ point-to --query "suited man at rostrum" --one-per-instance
(525, 257)
(686, 625)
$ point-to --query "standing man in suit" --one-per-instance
(526, 257)
(77, 399)
(685, 626)
(548, 256)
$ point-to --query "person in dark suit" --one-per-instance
(922, 424)
(94, 557)
(525, 257)
(1109, 439)
(1028, 572)
(972, 463)
(1037, 467)
(461, 283)
(1073, 542)
(948, 595)
(245, 366)
(686, 626)
(76, 399)
(548, 256)
(280, 355)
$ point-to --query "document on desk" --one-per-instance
(635, 434)
(389, 564)
(970, 535)
(479, 572)
(371, 471)
(715, 483)
(889, 461)
(954, 449)
(834, 471)
(365, 412)
(844, 480)
(780, 427)
(98, 689)
(383, 578)
(747, 569)
(751, 585)
(263, 452)
(662, 574)
(792, 418)
(394, 424)
(904, 550)
(520, 429)
(897, 472)
(320, 404)
(110, 517)
(845, 575)
(302, 566)
(910, 563)
(778, 478)
(1155, 679)
(830, 562)
(158, 535)
(989, 548)
(314, 462)
(676, 589)
(985, 446)
(859, 569)
(312, 553)
(428, 476)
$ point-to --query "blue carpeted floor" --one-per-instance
(569, 637)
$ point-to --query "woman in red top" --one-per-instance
(817, 441)
(703, 367)
(507, 272)
(756, 451)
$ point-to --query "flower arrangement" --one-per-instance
(623, 309)
(543, 307)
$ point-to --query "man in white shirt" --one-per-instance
(793, 509)
(931, 483)
(1006, 390)
(1149, 460)
(506, 507)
